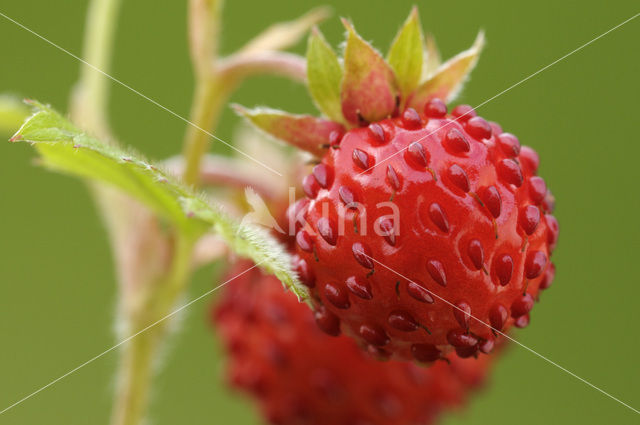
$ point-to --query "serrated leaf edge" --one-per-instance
(199, 214)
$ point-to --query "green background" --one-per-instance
(56, 284)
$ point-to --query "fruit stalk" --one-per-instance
(212, 92)
(209, 98)
(209, 95)
(216, 78)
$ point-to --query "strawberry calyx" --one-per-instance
(363, 87)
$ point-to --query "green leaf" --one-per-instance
(13, 112)
(64, 148)
(369, 90)
(324, 75)
(248, 241)
(405, 54)
(447, 81)
(306, 132)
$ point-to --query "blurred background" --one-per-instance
(57, 290)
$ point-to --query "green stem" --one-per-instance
(209, 98)
(148, 326)
(145, 307)
(204, 33)
(214, 87)
(134, 375)
(163, 298)
(89, 106)
(211, 91)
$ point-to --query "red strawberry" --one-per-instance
(423, 229)
(301, 376)
(470, 237)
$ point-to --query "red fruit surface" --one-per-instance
(473, 233)
(300, 376)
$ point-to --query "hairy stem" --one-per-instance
(147, 324)
(134, 374)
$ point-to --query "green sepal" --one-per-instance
(283, 35)
(433, 60)
(306, 132)
(324, 75)
(65, 148)
(406, 54)
(369, 88)
(447, 81)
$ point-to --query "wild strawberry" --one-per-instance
(422, 229)
(301, 376)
